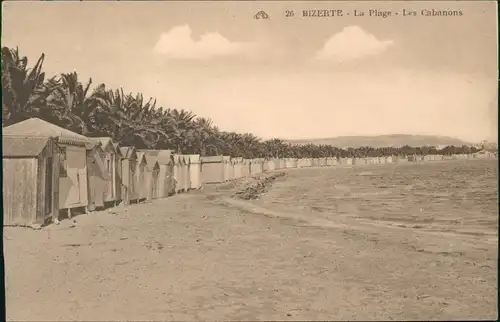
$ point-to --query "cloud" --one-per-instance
(352, 43)
(179, 44)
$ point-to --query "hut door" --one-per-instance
(48, 185)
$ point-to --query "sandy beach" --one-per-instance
(208, 256)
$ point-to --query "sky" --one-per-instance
(288, 77)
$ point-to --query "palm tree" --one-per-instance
(72, 105)
(23, 93)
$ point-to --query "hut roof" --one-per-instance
(141, 156)
(17, 146)
(153, 164)
(216, 158)
(39, 128)
(97, 155)
(105, 142)
(150, 159)
(236, 160)
(149, 151)
(116, 145)
(178, 159)
(165, 157)
(186, 158)
(127, 151)
(93, 145)
(162, 156)
(194, 158)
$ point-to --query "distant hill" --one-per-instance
(393, 140)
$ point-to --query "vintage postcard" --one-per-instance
(250, 160)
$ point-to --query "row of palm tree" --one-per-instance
(130, 119)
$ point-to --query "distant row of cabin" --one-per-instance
(49, 171)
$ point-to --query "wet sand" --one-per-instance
(208, 256)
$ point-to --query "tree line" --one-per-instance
(131, 120)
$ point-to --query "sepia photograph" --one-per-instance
(250, 160)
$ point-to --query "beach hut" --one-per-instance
(98, 179)
(194, 171)
(322, 162)
(186, 172)
(73, 188)
(255, 166)
(237, 167)
(165, 159)
(245, 167)
(346, 161)
(141, 176)
(282, 164)
(226, 160)
(268, 165)
(242, 165)
(212, 169)
(119, 183)
(129, 191)
(152, 177)
(277, 163)
(261, 161)
(112, 161)
(287, 164)
(265, 166)
(388, 159)
(315, 162)
(231, 170)
(146, 183)
(178, 173)
(301, 163)
(30, 180)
